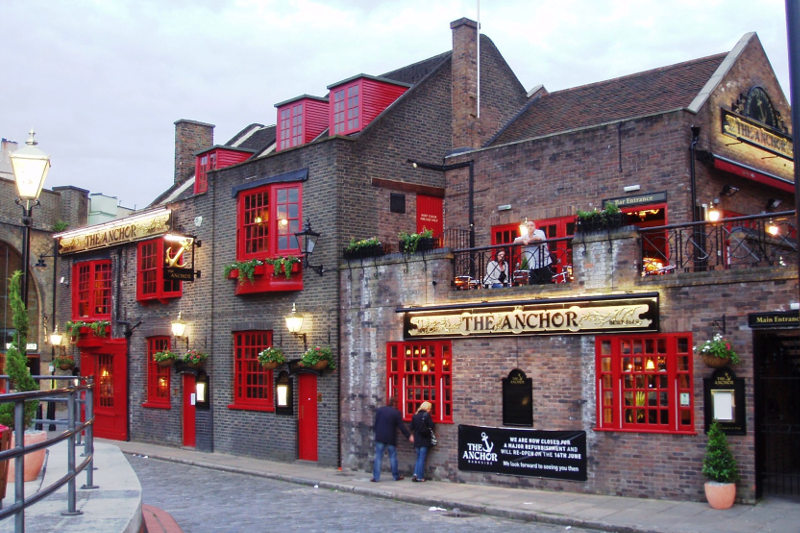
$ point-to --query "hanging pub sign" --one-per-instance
(751, 132)
(523, 452)
(774, 320)
(618, 314)
(179, 257)
(723, 396)
(124, 230)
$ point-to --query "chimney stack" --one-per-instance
(464, 71)
(191, 136)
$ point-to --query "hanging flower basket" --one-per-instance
(64, 362)
(717, 352)
(194, 359)
(165, 358)
(318, 358)
(271, 358)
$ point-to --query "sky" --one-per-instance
(103, 81)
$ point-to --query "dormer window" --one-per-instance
(213, 159)
(300, 120)
(357, 101)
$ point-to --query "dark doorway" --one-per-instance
(777, 403)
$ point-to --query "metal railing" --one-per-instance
(78, 393)
(554, 262)
(732, 243)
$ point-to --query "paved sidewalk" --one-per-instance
(609, 513)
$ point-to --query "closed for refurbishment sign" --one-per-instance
(523, 452)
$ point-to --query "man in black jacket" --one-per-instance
(387, 421)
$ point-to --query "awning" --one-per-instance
(745, 171)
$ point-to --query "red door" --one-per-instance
(429, 214)
(108, 364)
(189, 398)
(307, 417)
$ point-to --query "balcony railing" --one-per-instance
(470, 265)
(732, 243)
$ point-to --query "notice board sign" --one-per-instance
(523, 452)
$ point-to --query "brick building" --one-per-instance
(597, 366)
(563, 385)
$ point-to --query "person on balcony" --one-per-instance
(497, 272)
(536, 253)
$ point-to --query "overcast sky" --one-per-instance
(102, 82)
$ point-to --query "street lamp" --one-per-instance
(30, 166)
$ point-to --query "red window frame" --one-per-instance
(252, 384)
(268, 218)
(421, 371)
(150, 282)
(91, 290)
(553, 228)
(644, 383)
(291, 126)
(347, 109)
(158, 377)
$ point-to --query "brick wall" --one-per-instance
(190, 137)
(561, 366)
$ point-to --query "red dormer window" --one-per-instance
(356, 102)
(213, 159)
(300, 120)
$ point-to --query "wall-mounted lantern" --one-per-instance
(202, 390)
(179, 329)
(307, 240)
(294, 322)
(283, 394)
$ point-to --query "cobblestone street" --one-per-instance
(207, 500)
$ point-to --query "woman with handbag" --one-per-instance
(422, 428)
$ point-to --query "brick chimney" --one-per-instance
(464, 71)
(190, 136)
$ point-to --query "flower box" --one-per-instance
(373, 250)
(88, 339)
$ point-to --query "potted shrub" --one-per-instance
(717, 352)
(165, 357)
(719, 467)
(283, 264)
(194, 358)
(271, 358)
(416, 242)
(244, 271)
(371, 247)
(610, 217)
(21, 381)
(64, 362)
(318, 358)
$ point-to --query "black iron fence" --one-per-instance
(732, 243)
(477, 268)
(77, 394)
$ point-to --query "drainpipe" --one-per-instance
(792, 29)
(692, 157)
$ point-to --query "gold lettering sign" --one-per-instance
(129, 229)
(626, 314)
(752, 133)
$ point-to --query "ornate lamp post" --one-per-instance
(30, 166)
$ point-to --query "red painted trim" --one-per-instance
(753, 175)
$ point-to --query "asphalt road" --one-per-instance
(207, 500)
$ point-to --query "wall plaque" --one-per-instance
(724, 401)
(517, 399)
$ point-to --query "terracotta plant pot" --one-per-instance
(166, 362)
(66, 366)
(33, 460)
(720, 495)
(272, 365)
(320, 365)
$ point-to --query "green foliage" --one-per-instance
(16, 361)
(283, 264)
(719, 347)
(59, 360)
(719, 464)
(363, 243)
(271, 355)
(165, 355)
(315, 354)
(98, 328)
(194, 357)
(246, 269)
(409, 242)
(60, 225)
